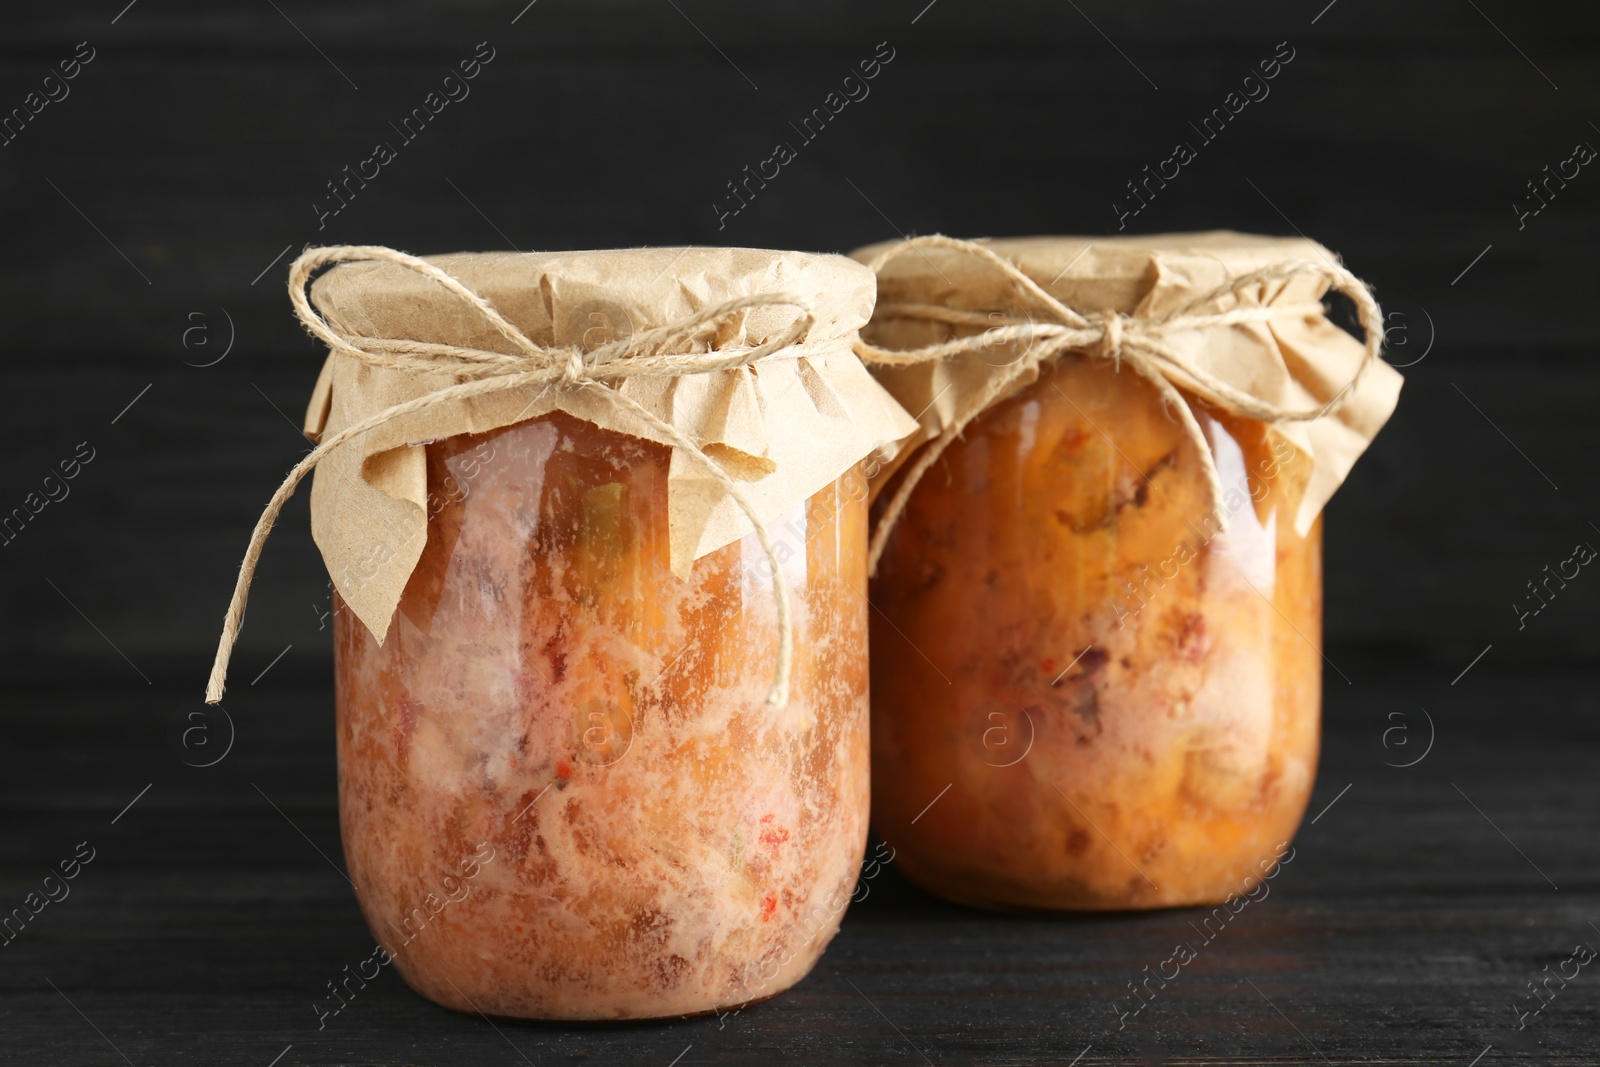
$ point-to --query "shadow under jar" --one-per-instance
(560, 792)
(1115, 705)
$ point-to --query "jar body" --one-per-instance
(561, 794)
(1115, 704)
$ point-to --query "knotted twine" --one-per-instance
(646, 353)
(1052, 330)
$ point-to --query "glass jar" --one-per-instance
(1084, 695)
(561, 794)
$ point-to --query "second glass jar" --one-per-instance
(1086, 695)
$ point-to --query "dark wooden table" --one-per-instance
(1419, 904)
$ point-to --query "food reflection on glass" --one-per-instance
(549, 693)
(1130, 716)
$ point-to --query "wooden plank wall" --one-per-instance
(188, 153)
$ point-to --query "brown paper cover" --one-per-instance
(784, 428)
(1293, 362)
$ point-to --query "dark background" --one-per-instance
(149, 217)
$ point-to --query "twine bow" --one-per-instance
(1052, 329)
(647, 353)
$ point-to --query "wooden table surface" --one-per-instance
(1418, 904)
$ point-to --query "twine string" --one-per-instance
(1051, 329)
(647, 353)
